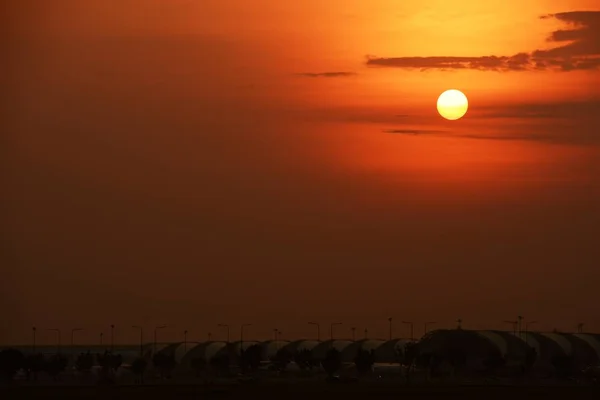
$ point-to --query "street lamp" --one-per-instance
(353, 333)
(318, 330)
(426, 324)
(73, 335)
(225, 326)
(33, 330)
(459, 323)
(156, 328)
(520, 319)
(412, 336)
(101, 338)
(57, 338)
(366, 333)
(185, 340)
(390, 321)
(242, 335)
(331, 328)
(141, 338)
(112, 337)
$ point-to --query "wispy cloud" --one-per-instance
(579, 49)
(335, 74)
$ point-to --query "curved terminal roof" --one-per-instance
(271, 347)
(319, 352)
(206, 351)
(350, 352)
(299, 345)
(591, 340)
(387, 352)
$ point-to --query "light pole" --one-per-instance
(101, 339)
(33, 330)
(426, 324)
(242, 335)
(57, 338)
(520, 319)
(156, 328)
(112, 337)
(459, 323)
(514, 325)
(73, 335)
(209, 336)
(275, 330)
(331, 328)
(141, 338)
(353, 333)
(579, 327)
(366, 333)
(390, 321)
(412, 336)
(225, 326)
(318, 330)
(185, 340)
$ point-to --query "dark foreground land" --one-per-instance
(309, 391)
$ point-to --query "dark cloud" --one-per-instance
(579, 49)
(336, 74)
(413, 131)
(525, 136)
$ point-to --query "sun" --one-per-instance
(452, 104)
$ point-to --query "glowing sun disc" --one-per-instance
(452, 104)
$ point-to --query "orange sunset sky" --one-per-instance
(194, 162)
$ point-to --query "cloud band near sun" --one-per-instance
(578, 48)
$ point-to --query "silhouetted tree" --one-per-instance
(54, 365)
(305, 360)
(281, 359)
(409, 356)
(34, 364)
(84, 362)
(11, 361)
(138, 367)
(250, 358)
(198, 364)
(332, 362)
(364, 361)
(220, 364)
(164, 364)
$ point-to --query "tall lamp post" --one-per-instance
(141, 338)
(242, 335)
(101, 338)
(185, 340)
(156, 328)
(33, 330)
(390, 321)
(57, 338)
(112, 337)
(225, 326)
(353, 333)
(366, 333)
(318, 330)
(412, 331)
